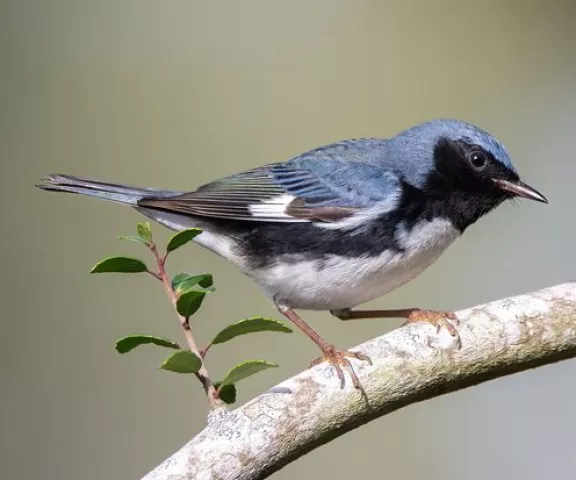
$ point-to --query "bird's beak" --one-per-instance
(520, 189)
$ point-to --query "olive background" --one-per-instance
(176, 93)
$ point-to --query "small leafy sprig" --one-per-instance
(187, 293)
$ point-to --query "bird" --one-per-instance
(341, 224)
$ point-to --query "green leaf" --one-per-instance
(183, 361)
(119, 265)
(132, 238)
(126, 344)
(246, 369)
(227, 393)
(189, 302)
(250, 325)
(182, 238)
(145, 232)
(185, 281)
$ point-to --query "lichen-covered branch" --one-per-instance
(410, 364)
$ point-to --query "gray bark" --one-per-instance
(410, 364)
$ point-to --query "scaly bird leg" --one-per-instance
(439, 318)
(337, 358)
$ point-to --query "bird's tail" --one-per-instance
(114, 192)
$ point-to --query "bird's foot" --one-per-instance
(441, 319)
(339, 361)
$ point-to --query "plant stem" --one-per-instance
(204, 350)
(202, 374)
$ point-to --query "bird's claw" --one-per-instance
(339, 361)
(441, 319)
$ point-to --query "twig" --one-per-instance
(202, 374)
(410, 364)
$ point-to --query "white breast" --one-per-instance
(339, 282)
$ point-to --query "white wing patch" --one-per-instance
(274, 208)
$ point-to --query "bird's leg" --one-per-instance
(337, 358)
(439, 318)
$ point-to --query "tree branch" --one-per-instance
(410, 364)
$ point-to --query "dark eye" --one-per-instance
(478, 160)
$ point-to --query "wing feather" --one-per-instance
(308, 188)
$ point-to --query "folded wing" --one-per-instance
(313, 187)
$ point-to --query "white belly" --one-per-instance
(339, 282)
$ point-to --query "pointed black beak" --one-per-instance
(520, 189)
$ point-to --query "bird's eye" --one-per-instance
(478, 160)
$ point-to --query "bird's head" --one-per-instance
(465, 167)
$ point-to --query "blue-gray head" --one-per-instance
(447, 144)
(425, 137)
(462, 165)
(471, 134)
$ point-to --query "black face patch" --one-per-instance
(462, 191)
(457, 161)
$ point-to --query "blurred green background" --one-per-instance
(176, 93)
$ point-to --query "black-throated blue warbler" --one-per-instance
(342, 224)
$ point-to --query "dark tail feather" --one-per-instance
(107, 191)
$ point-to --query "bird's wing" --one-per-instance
(309, 188)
